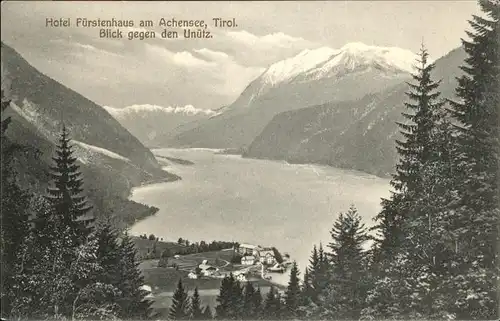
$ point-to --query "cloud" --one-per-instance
(274, 39)
(212, 54)
(183, 58)
(94, 49)
(262, 50)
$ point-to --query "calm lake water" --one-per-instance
(268, 203)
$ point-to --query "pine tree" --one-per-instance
(345, 293)
(109, 257)
(108, 253)
(292, 294)
(223, 309)
(57, 287)
(314, 275)
(250, 310)
(272, 306)
(14, 216)
(306, 284)
(257, 303)
(322, 272)
(230, 299)
(236, 300)
(404, 233)
(414, 151)
(133, 300)
(476, 227)
(180, 304)
(195, 312)
(70, 207)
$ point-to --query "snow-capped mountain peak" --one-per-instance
(306, 60)
(133, 109)
(327, 62)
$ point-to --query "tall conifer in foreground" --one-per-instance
(14, 227)
(70, 206)
(476, 227)
(415, 150)
(406, 223)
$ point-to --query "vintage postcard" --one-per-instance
(250, 160)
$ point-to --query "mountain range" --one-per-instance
(147, 122)
(358, 134)
(329, 106)
(111, 159)
(310, 78)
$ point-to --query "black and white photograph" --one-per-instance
(250, 160)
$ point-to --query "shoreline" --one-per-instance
(168, 178)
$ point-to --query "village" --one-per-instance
(206, 269)
(248, 261)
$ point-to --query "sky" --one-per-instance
(211, 73)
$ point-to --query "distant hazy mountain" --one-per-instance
(312, 77)
(112, 160)
(148, 122)
(358, 134)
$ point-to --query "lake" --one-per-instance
(262, 202)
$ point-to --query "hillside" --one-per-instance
(356, 134)
(111, 159)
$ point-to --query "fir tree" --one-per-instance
(180, 304)
(195, 312)
(477, 216)
(237, 300)
(344, 295)
(109, 257)
(56, 287)
(272, 306)
(14, 216)
(133, 300)
(108, 253)
(414, 152)
(223, 308)
(322, 272)
(250, 308)
(70, 207)
(403, 236)
(292, 294)
(315, 274)
(230, 299)
(257, 303)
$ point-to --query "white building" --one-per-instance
(207, 270)
(248, 249)
(266, 256)
(248, 260)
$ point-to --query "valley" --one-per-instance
(256, 201)
(323, 106)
